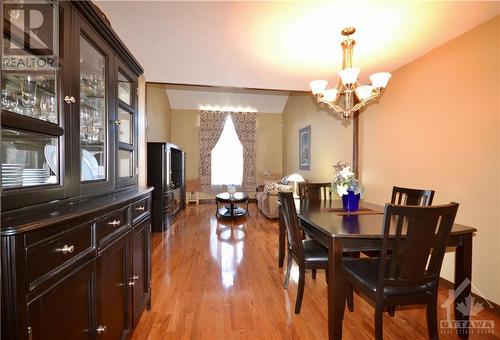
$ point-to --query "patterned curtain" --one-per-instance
(211, 125)
(245, 124)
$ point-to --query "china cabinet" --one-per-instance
(76, 228)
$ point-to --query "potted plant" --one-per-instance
(347, 186)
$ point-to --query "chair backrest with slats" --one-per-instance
(315, 191)
(291, 220)
(416, 237)
(407, 196)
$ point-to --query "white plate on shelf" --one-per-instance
(86, 174)
(91, 162)
(50, 152)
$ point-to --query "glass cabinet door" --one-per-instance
(32, 130)
(93, 134)
(126, 127)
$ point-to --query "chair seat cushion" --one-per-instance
(314, 252)
(364, 272)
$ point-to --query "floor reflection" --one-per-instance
(226, 247)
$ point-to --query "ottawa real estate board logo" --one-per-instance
(30, 29)
(469, 307)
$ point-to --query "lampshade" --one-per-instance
(349, 75)
(330, 94)
(317, 86)
(380, 79)
(295, 178)
(363, 92)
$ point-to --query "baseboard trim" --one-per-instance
(489, 305)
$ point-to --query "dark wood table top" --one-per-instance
(329, 217)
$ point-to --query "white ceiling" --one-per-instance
(224, 99)
(283, 45)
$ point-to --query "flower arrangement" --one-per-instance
(345, 181)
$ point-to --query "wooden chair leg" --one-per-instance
(350, 298)
(300, 289)
(391, 311)
(288, 270)
(379, 320)
(314, 274)
(326, 275)
(432, 324)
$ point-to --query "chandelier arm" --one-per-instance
(365, 101)
(332, 105)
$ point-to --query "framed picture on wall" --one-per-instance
(305, 148)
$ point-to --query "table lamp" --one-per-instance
(295, 178)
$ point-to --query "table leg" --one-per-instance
(336, 289)
(231, 205)
(463, 271)
(281, 243)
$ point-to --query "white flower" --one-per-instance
(346, 172)
(342, 190)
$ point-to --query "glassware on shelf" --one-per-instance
(48, 108)
(28, 87)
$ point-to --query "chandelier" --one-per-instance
(356, 96)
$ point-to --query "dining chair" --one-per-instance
(408, 196)
(308, 253)
(407, 270)
(315, 191)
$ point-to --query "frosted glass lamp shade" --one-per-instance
(380, 79)
(349, 76)
(330, 95)
(318, 86)
(363, 92)
(295, 178)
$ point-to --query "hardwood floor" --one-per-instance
(217, 279)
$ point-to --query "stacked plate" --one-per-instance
(12, 175)
(35, 176)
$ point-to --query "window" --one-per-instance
(227, 157)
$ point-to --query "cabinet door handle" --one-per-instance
(101, 329)
(140, 208)
(114, 223)
(135, 277)
(131, 283)
(69, 99)
(67, 249)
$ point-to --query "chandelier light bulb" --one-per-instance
(330, 95)
(349, 76)
(363, 92)
(318, 86)
(380, 79)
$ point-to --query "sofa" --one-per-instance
(267, 200)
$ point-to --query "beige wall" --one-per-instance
(185, 133)
(331, 138)
(437, 126)
(158, 113)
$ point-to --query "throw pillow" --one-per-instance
(270, 186)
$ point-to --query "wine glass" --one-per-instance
(28, 94)
(45, 107)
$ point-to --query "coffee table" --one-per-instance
(229, 207)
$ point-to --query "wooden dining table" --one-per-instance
(326, 222)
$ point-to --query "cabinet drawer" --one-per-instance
(57, 253)
(112, 223)
(140, 208)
